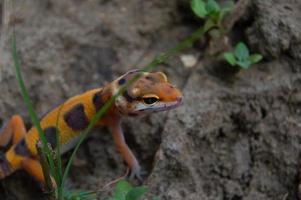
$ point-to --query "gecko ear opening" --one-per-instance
(162, 76)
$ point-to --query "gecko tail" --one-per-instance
(5, 168)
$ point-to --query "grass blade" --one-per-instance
(29, 105)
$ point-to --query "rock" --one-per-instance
(227, 141)
(276, 28)
(188, 60)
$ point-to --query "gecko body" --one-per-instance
(150, 93)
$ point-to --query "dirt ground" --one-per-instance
(238, 134)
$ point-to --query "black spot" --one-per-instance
(21, 148)
(121, 81)
(97, 101)
(5, 147)
(133, 114)
(128, 97)
(50, 134)
(76, 118)
(4, 165)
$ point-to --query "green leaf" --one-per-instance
(121, 190)
(255, 58)
(198, 7)
(241, 51)
(229, 56)
(244, 64)
(136, 193)
(212, 7)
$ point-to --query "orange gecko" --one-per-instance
(150, 93)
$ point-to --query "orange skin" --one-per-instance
(151, 93)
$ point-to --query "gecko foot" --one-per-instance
(136, 172)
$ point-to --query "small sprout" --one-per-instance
(241, 56)
(211, 9)
(125, 191)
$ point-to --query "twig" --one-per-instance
(240, 10)
(104, 188)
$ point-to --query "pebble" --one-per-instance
(188, 60)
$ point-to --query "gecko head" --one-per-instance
(150, 93)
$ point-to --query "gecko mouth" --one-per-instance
(162, 106)
(170, 106)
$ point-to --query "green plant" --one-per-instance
(211, 9)
(241, 56)
(125, 191)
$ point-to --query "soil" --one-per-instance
(238, 134)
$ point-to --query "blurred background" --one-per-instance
(238, 134)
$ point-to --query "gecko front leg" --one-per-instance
(125, 151)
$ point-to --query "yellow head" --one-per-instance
(150, 93)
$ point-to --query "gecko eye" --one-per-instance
(150, 99)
